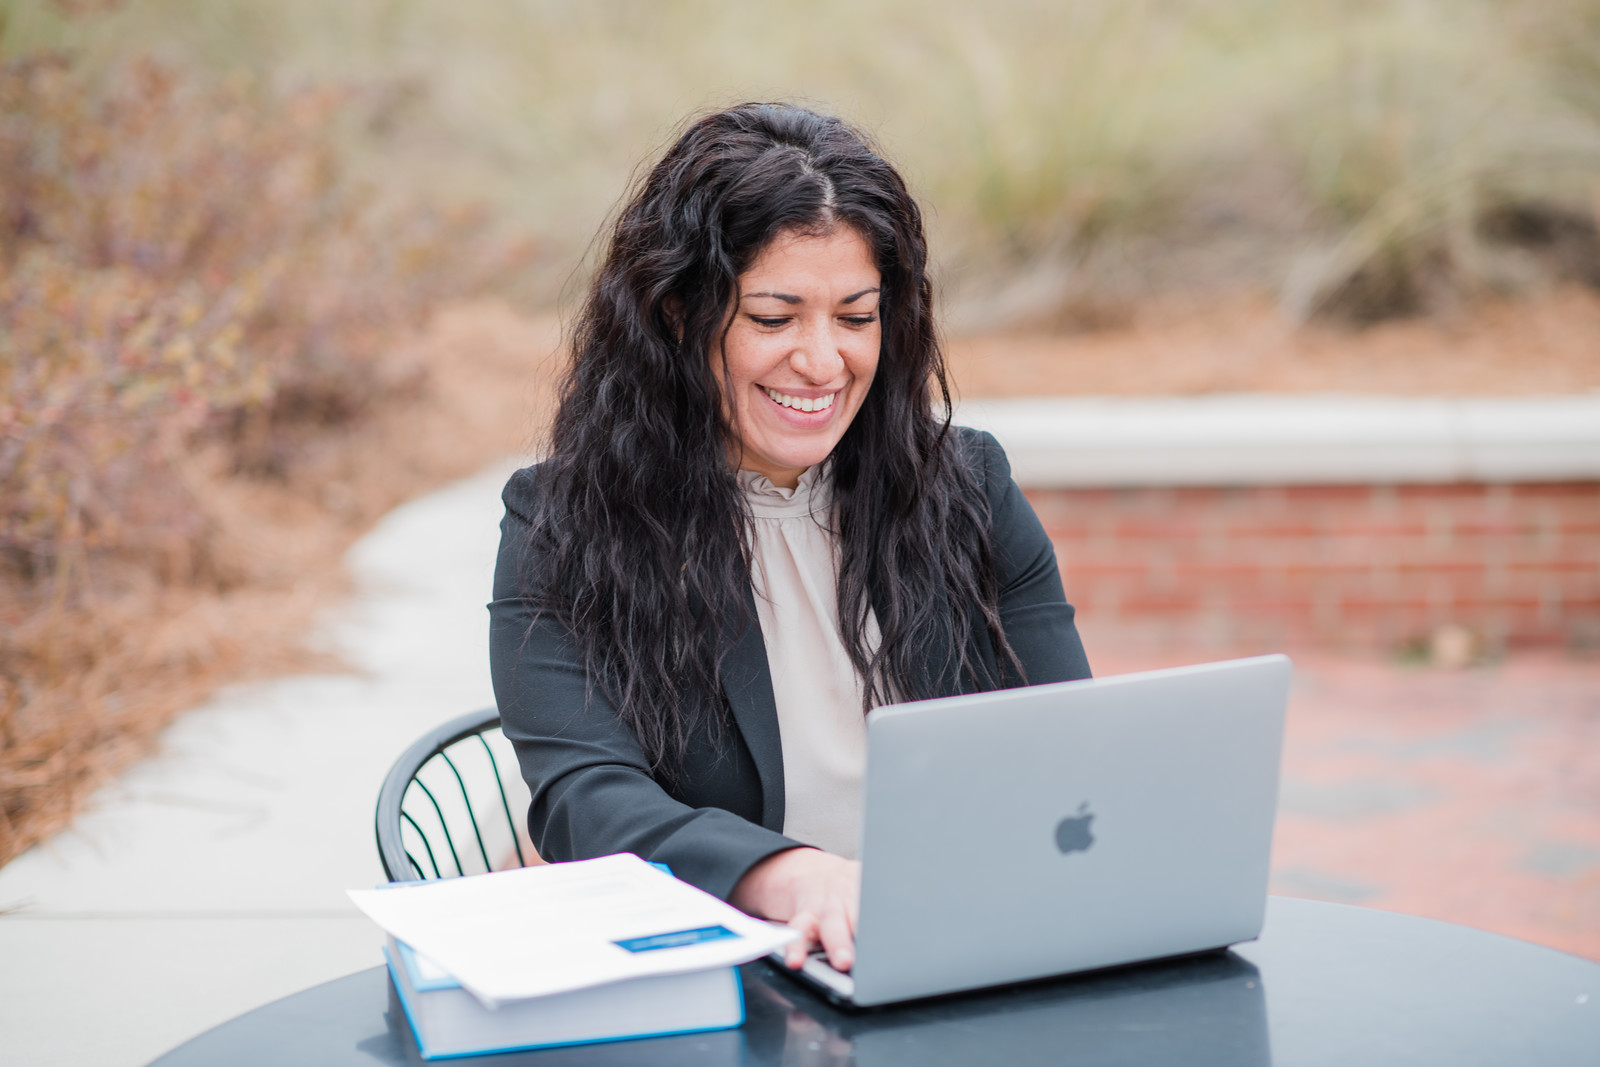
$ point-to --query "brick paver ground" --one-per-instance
(1468, 795)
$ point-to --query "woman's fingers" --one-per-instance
(837, 937)
(832, 931)
(794, 956)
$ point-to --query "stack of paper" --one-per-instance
(589, 951)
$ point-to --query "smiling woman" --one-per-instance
(754, 525)
(801, 352)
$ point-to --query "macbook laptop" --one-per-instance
(1057, 828)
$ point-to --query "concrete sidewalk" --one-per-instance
(210, 879)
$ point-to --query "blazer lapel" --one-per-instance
(747, 683)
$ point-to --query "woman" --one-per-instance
(753, 525)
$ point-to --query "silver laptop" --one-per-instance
(1058, 828)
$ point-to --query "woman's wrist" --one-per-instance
(767, 889)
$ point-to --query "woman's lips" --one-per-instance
(800, 403)
(790, 408)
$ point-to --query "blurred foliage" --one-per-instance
(1360, 158)
(195, 284)
(185, 264)
(1444, 155)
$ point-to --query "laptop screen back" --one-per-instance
(1037, 831)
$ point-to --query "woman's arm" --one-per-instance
(593, 793)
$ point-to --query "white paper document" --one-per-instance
(538, 930)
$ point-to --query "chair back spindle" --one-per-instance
(446, 806)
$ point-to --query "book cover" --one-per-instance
(449, 1022)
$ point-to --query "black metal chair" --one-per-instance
(444, 811)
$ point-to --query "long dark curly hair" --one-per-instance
(640, 547)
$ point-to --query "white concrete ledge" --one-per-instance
(1291, 440)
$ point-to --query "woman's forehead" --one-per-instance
(795, 264)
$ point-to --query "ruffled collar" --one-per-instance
(767, 501)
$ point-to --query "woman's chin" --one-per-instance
(782, 466)
(795, 451)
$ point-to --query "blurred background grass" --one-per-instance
(220, 221)
(1364, 158)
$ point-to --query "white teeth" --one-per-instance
(801, 403)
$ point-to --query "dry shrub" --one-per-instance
(192, 287)
(1446, 166)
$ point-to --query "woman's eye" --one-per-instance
(861, 320)
(761, 320)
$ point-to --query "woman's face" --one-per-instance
(802, 350)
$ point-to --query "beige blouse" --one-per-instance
(816, 687)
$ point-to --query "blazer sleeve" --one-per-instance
(1038, 621)
(592, 790)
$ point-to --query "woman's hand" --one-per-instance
(815, 892)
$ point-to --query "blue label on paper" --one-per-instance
(676, 939)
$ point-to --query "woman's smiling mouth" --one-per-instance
(800, 403)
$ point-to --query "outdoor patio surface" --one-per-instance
(210, 878)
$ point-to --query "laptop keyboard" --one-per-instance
(817, 968)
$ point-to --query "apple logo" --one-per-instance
(1072, 833)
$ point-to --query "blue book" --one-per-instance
(448, 1021)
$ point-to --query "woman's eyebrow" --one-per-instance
(790, 298)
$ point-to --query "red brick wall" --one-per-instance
(1346, 566)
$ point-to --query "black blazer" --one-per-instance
(592, 790)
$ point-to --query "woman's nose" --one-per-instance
(817, 357)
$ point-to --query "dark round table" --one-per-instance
(1325, 984)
